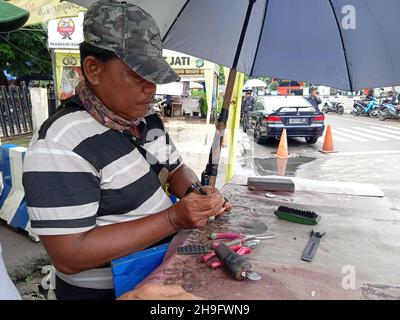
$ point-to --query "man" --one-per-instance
(370, 94)
(248, 102)
(168, 105)
(11, 19)
(314, 98)
(96, 173)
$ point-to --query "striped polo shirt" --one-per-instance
(79, 174)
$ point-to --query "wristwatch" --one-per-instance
(194, 186)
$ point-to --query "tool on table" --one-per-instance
(297, 215)
(201, 190)
(238, 238)
(237, 265)
(312, 246)
(242, 251)
(208, 256)
(194, 248)
(270, 184)
(251, 244)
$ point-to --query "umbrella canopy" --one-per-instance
(253, 83)
(11, 17)
(195, 85)
(345, 44)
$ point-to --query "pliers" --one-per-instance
(236, 237)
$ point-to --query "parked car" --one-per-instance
(294, 113)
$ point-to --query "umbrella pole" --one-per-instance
(209, 175)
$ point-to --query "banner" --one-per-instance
(179, 60)
(65, 32)
(68, 73)
(42, 11)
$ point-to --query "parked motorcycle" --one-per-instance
(368, 108)
(331, 105)
(389, 111)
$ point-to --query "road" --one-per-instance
(368, 151)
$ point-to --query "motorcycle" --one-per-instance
(389, 111)
(333, 106)
(368, 108)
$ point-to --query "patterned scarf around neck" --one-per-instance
(100, 112)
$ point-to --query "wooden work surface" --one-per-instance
(362, 239)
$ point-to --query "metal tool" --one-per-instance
(194, 248)
(201, 190)
(241, 252)
(251, 244)
(208, 256)
(312, 246)
(238, 238)
(237, 265)
(235, 235)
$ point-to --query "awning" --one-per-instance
(11, 17)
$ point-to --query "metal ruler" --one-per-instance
(312, 246)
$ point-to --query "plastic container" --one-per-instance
(132, 269)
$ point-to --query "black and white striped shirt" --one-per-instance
(79, 174)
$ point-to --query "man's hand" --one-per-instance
(211, 190)
(194, 210)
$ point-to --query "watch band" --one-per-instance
(192, 187)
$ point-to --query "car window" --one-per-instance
(294, 109)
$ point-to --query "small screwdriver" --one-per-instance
(201, 190)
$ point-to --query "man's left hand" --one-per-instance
(211, 190)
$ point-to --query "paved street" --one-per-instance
(368, 151)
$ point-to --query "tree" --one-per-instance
(273, 86)
(221, 78)
(23, 52)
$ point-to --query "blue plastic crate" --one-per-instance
(132, 269)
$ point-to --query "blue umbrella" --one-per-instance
(345, 44)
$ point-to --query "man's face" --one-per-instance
(314, 93)
(122, 90)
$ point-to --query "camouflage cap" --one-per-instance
(132, 34)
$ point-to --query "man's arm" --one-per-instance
(63, 196)
(181, 179)
(74, 253)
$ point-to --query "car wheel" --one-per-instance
(311, 140)
(257, 135)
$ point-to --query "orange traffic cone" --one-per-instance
(281, 164)
(283, 147)
(328, 142)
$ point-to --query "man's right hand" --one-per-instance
(194, 210)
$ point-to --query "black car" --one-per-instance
(294, 113)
